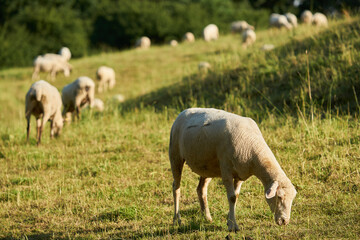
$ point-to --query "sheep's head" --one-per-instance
(58, 125)
(280, 198)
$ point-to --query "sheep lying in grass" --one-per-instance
(319, 19)
(306, 17)
(240, 26)
(76, 95)
(248, 37)
(189, 37)
(52, 65)
(98, 104)
(44, 102)
(211, 32)
(143, 42)
(215, 143)
(279, 21)
(292, 19)
(204, 67)
(106, 77)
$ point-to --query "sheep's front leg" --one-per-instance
(202, 194)
(51, 129)
(228, 182)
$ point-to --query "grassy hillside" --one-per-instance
(108, 176)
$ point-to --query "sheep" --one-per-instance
(279, 21)
(248, 37)
(204, 67)
(44, 102)
(65, 53)
(173, 43)
(211, 32)
(267, 47)
(98, 104)
(240, 26)
(143, 42)
(106, 77)
(215, 143)
(76, 95)
(119, 98)
(52, 65)
(189, 37)
(291, 19)
(319, 19)
(306, 17)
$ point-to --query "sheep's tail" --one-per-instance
(38, 95)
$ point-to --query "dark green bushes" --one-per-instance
(30, 28)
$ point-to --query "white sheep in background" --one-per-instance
(215, 143)
(44, 102)
(240, 26)
(204, 67)
(143, 42)
(189, 37)
(65, 53)
(211, 32)
(119, 98)
(248, 37)
(319, 19)
(306, 17)
(76, 95)
(173, 43)
(50, 65)
(106, 77)
(279, 21)
(292, 19)
(98, 104)
(267, 47)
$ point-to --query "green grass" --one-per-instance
(108, 176)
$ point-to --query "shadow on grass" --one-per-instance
(280, 84)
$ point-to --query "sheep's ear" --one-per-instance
(271, 192)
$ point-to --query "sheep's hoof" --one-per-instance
(232, 226)
(177, 220)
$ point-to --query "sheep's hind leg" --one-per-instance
(176, 167)
(202, 194)
(237, 186)
(28, 128)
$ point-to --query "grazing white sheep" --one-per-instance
(292, 19)
(65, 53)
(240, 26)
(279, 21)
(76, 95)
(98, 104)
(106, 77)
(118, 98)
(173, 43)
(189, 37)
(44, 102)
(52, 65)
(306, 17)
(143, 42)
(215, 143)
(248, 37)
(204, 67)
(267, 47)
(211, 32)
(320, 20)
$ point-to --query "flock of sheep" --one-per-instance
(45, 102)
(214, 143)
